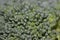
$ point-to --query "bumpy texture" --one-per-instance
(30, 20)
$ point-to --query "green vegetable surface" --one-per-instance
(30, 20)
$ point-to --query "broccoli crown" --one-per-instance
(30, 20)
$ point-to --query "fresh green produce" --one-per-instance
(30, 20)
